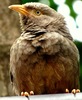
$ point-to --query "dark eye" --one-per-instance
(38, 13)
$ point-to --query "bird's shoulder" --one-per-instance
(21, 44)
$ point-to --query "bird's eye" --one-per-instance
(38, 13)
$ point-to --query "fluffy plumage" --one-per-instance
(44, 58)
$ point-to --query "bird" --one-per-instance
(44, 58)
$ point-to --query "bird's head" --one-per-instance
(40, 17)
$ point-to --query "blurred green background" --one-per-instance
(55, 5)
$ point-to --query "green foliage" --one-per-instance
(79, 46)
(53, 5)
(69, 3)
(25, 1)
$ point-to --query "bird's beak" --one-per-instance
(19, 8)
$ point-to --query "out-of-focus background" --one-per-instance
(10, 30)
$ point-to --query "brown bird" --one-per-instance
(44, 59)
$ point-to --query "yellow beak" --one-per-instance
(19, 8)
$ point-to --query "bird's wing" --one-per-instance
(55, 42)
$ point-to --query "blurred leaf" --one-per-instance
(45, 2)
(70, 5)
(79, 46)
(25, 1)
(53, 5)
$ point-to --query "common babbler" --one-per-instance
(44, 59)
